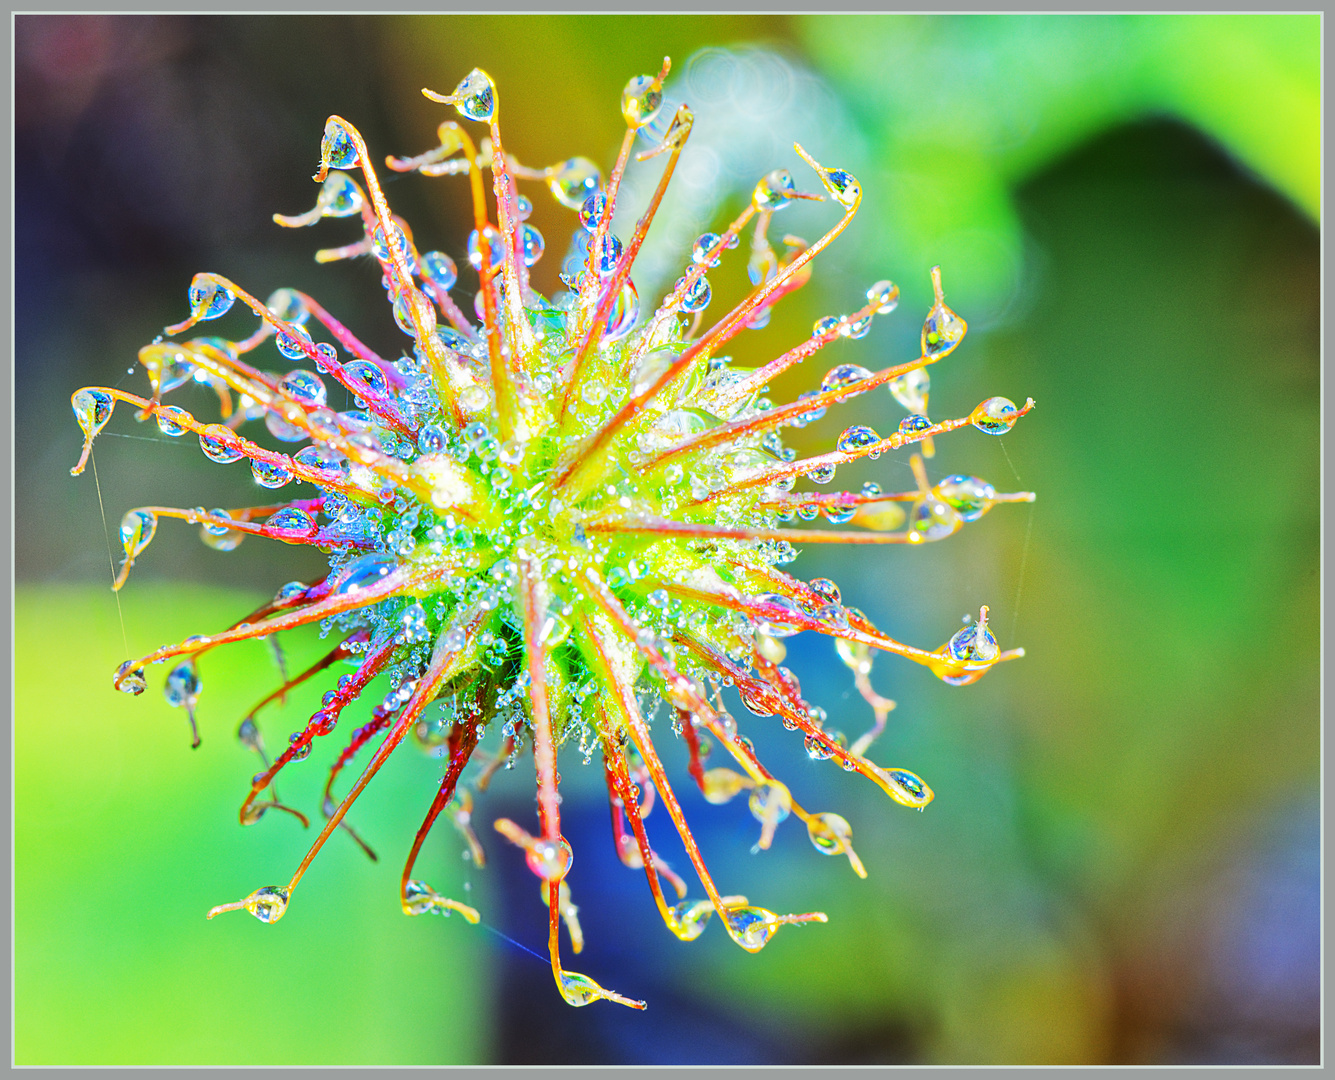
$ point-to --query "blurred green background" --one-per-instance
(1122, 861)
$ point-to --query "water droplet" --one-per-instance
(774, 191)
(821, 474)
(759, 697)
(217, 442)
(183, 685)
(968, 496)
(817, 750)
(857, 437)
(208, 298)
(995, 416)
(549, 859)
(974, 644)
(305, 387)
(625, 310)
(439, 269)
(137, 529)
(497, 252)
(368, 376)
(364, 572)
(573, 181)
(779, 616)
(824, 326)
(917, 793)
(133, 682)
(943, 329)
(913, 424)
(432, 439)
(751, 927)
(697, 296)
(287, 304)
(340, 196)
(591, 212)
(911, 388)
(843, 375)
(220, 537)
(641, 100)
(270, 474)
(533, 244)
(606, 262)
(701, 248)
(171, 421)
(932, 519)
(291, 517)
(321, 457)
(92, 408)
(885, 295)
(337, 150)
(856, 329)
(770, 801)
(831, 834)
(688, 919)
(475, 96)
(826, 589)
(294, 345)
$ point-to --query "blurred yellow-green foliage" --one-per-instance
(1121, 861)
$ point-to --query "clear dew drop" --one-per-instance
(131, 682)
(857, 437)
(826, 589)
(364, 572)
(825, 326)
(339, 196)
(92, 408)
(843, 375)
(781, 617)
(532, 244)
(208, 298)
(305, 387)
(573, 181)
(216, 440)
(641, 100)
(292, 518)
(821, 474)
(932, 519)
(701, 248)
(183, 685)
(911, 389)
(625, 310)
(995, 416)
(137, 529)
(270, 474)
(475, 96)
(774, 191)
(367, 376)
(592, 210)
(171, 421)
(495, 249)
(830, 834)
(697, 296)
(605, 263)
(914, 424)
(974, 644)
(968, 496)
(287, 305)
(294, 345)
(439, 269)
(337, 150)
(885, 295)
